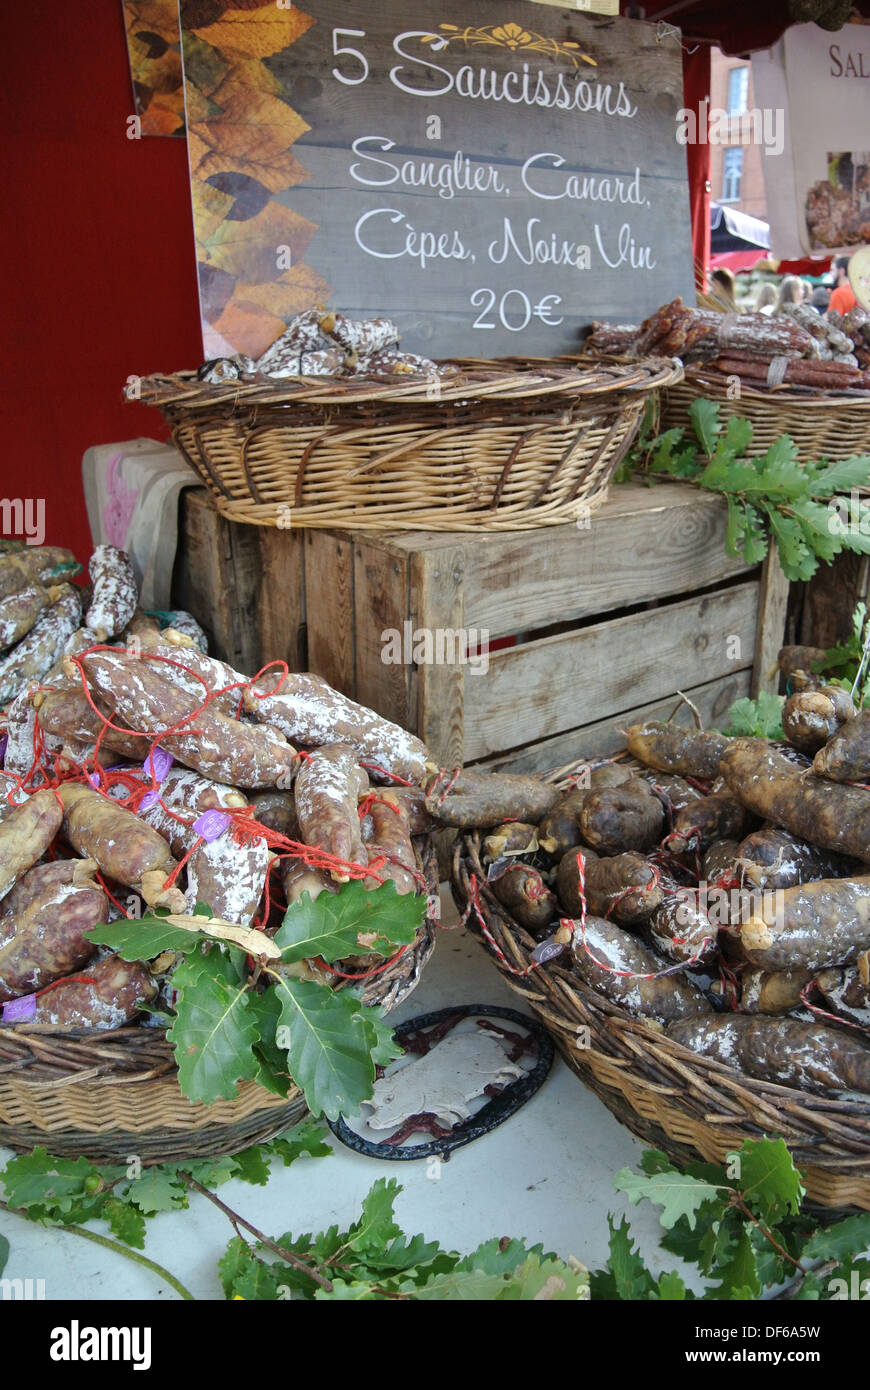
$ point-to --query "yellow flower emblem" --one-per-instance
(511, 35)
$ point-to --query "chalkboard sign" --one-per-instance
(491, 186)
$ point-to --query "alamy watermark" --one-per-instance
(27, 1290)
(722, 906)
(23, 516)
(849, 517)
(436, 646)
(855, 1288)
(77, 1343)
(711, 125)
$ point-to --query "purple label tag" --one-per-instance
(158, 763)
(19, 1010)
(547, 950)
(94, 779)
(150, 799)
(3, 743)
(212, 824)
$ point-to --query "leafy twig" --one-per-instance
(803, 507)
(738, 1202)
(288, 1256)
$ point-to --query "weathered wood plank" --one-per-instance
(380, 607)
(537, 689)
(825, 604)
(216, 578)
(622, 500)
(770, 634)
(281, 598)
(712, 701)
(669, 546)
(201, 546)
(518, 581)
(437, 586)
(329, 608)
(247, 568)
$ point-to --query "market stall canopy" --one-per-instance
(736, 260)
(813, 266)
(739, 29)
(733, 230)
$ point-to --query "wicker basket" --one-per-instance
(113, 1095)
(822, 426)
(690, 1106)
(502, 445)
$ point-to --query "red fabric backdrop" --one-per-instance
(97, 252)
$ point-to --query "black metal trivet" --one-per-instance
(419, 1035)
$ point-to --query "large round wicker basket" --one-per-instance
(113, 1096)
(501, 445)
(687, 1105)
(822, 426)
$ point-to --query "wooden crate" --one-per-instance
(601, 624)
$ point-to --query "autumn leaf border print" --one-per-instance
(154, 51)
(240, 131)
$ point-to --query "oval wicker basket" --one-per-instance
(114, 1095)
(690, 1106)
(502, 445)
(822, 426)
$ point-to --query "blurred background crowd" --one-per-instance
(763, 290)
